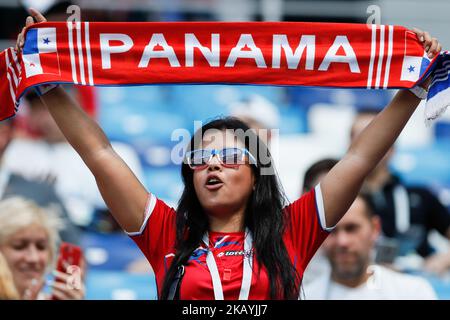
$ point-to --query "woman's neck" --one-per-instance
(229, 223)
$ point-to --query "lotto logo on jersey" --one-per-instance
(233, 253)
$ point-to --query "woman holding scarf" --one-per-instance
(232, 235)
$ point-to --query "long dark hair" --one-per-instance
(264, 217)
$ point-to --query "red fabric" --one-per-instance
(87, 98)
(105, 53)
(302, 239)
(9, 81)
(49, 62)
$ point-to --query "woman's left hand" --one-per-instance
(431, 45)
(67, 287)
(432, 48)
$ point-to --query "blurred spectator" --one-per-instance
(259, 114)
(8, 290)
(55, 159)
(28, 241)
(39, 190)
(318, 264)
(408, 214)
(352, 277)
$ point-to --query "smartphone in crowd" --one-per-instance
(69, 255)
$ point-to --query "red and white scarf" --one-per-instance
(264, 53)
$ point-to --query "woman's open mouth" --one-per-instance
(213, 183)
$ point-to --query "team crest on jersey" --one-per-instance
(198, 254)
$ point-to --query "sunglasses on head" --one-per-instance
(228, 157)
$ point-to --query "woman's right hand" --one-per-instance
(35, 15)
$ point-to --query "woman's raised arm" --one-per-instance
(122, 192)
(341, 185)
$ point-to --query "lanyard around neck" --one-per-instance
(247, 268)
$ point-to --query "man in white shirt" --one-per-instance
(349, 250)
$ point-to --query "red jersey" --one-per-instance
(305, 232)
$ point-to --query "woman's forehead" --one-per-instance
(30, 233)
(219, 139)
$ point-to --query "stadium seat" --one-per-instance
(112, 252)
(359, 98)
(293, 120)
(427, 165)
(165, 183)
(130, 114)
(442, 131)
(441, 285)
(331, 121)
(114, 285)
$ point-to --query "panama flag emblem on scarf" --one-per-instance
(343, 55)
(415, 61)
(40, 53)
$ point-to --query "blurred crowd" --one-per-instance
(384, 248)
